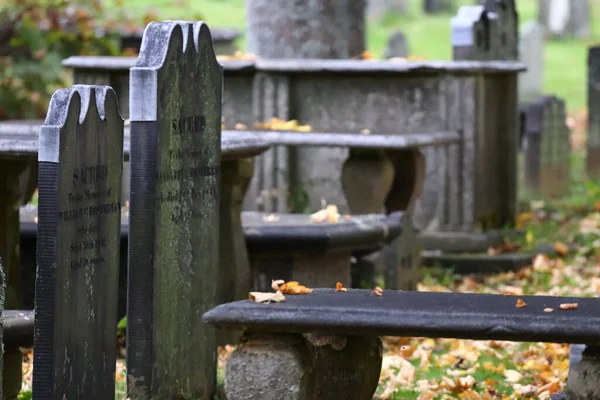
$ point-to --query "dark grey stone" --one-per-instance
(175, 107)
(593, 103)
(81, 158)
(582, 382)
(397, 46)
(317, 254)
(461, 242)
(546, 149)
(418, 314)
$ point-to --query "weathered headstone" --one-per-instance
(80, 167)
(546, 148)
(175, 107)
(531, 53)
(437, 6)
(593, 135)
(504, 35)
(565, 18)
(378, 9)
(397, 46)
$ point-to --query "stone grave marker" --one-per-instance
(565, 18)
(175, 106)
(80, 168)
(471, 34)
(531, 53)
(397, 46)
(505, 34)
(593, 93)
(546, 148)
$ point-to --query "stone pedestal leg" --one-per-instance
(583, 379)
(11, 199)
(235, 280)
(12, 378)
(309, 367)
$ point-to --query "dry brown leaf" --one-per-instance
(240, 127)
(238, 55)
(569, 306)
(271, 218)
(329, 214)
(548, 309)
(521, 303)
(261, 297)
(294, 287)
(561, 249)
(340, 288)
(378, 291)
(276, 124)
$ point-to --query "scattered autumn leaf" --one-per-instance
(237, 56)
(271, 218)
(569, 306)
(378, 291)
(276, 124)
(548, 309)
(275, 283)
(329, 214)
(561, 249)
(340, 288)
(294, 287)
(521, 303)
(260, 297)
(240, 127)
(365, 131)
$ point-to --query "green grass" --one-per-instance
(429, 36)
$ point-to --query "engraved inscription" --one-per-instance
(89, 200)
(185, 161)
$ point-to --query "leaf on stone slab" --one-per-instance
(548, 309)
(521, 303)
(275, 284)
(569, 306)
(378, 291)
(329, 214)
(261, 297)
(294, 287)
(340, 288)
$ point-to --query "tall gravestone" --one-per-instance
(565, 18)
(80, 168)
(175, 107)
(593, 99)
(531, 53)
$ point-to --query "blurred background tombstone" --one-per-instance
(378, 9)
(565, 18)
(397, 46)
(437, 6)
(531, 53)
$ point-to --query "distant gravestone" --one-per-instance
(397, 46)
(565, 18)
(531, 53)
(505, 34)
(593, 135)
(437, 6)
(377, 9)
(80, 167)
(175, 107)
(546, 148)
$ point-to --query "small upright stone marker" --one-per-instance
(80, 168)
(564, 19)
(471, 34)
(531, 53)
(397, 46)
(175, 107)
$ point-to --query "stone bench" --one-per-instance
(326, 344)
(18, 332)
(294, 248)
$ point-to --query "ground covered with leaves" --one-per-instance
(427, 369)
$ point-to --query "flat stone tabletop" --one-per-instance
(18, 328)
(120, 63)
(418, 314)
(21, 138)
(298, 233)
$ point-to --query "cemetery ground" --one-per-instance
(428, 36)
(427, 369)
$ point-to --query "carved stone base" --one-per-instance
(582, 383)
(303, 367)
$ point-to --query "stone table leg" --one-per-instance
(304, 367)
(235, 281)
(582, 382)
(11, 199)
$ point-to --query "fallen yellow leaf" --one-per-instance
(561, 249)
(339, 287)
(521, 303)
(569, 306)
(294, 287)
(260, 297)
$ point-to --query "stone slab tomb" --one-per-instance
(564, 19)
(326, 344)
(546, 149)
(175, 111)
(80, 167)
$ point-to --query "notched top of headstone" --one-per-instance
(160, 45)
(471, 28)
(74, 106)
